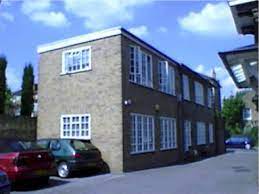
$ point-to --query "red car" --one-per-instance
(22, 160)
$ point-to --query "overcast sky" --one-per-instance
(192, 32)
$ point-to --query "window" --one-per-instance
(76, 60)
(201, 133)
(186, 88)
(140, 67)
(187, 135)
(76, 126)
(168, 139)
(166, 78)
(211, 133)
(142, 133)
(238, 72)
(247, 114)
(210, 97)
(199, 93)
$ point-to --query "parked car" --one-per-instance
(23, 161)
(239, 142)
(5, 187)
(73, 155)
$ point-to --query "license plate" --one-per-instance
(41, 172)
(91, 164)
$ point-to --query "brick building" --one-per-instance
(140, 107)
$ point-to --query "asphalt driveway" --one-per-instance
(231, 173)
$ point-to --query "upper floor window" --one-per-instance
(142, 133)
(210, 97)
(140, 67)
(199, 93)
(201, 133)
(76, 60)
(247, 114)
(75, 126)
(168, 139)
(186, 88)
(166, 78)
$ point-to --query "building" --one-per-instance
(250, 111)
(16, 102)
(140, 107)
(242, 63)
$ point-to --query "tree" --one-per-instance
(27, 91)
(8, 100)
(3, 65)
(232, 114)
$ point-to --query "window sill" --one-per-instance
(148, 87)
(174, 95)
(142, 152)
(75, 72)
(168, 149)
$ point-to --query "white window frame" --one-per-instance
(199, 93)
(168, 133)
(87, 131)
(249, 111)
(187, 135)
(141, 67)
(142, 134)
(166, 76)
(210, 97)
(80, 50)
(186, 88)
(211, 133)
(201, 133)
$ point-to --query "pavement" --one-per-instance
(235, 172)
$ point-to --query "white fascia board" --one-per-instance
(238, 2)
(79, 39)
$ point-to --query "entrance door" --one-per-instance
(187, 135)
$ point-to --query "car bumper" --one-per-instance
(27, 174)
(75, 165)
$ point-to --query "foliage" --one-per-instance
(3, 65)
(252, 132)
(8, 99)
(27, 91)
(232, 114)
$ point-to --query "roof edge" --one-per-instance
(79, 39)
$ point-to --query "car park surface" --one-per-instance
(232, 173)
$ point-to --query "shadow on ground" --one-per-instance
(36, 185)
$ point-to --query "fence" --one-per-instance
(18, 127)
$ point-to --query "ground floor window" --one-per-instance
(75, 126)
(142, 133)
(187, 135)
(201, 133)
(211, 133)
(168, 139)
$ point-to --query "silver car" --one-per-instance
(5, 186)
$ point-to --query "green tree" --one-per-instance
(3, 65)
(27, 91)
(8, 101)
(232, 114)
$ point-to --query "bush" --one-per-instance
(252, 132)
